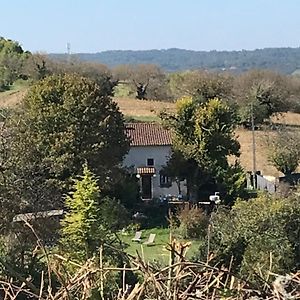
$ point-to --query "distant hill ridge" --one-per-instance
(285, 60)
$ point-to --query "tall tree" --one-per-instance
(204, 133)
(74, 120)
(64, 121)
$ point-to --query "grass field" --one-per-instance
(157, 252)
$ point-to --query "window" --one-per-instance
(150, 162)
(164, 181)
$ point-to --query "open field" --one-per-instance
(146, 110)
(291, 120)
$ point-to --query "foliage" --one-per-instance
(201, 85)
(193, 222)
(12, 61)
(260, 235)
(262, 93)
(64, 121)
(73, 120)
(178, 169)
(126, 189)
(23, 179)
(231, 182)
(91, 218)
(284, 151)
(38, 66)
(203, 132)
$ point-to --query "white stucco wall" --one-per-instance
(138, 156)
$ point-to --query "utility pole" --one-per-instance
(253, 148)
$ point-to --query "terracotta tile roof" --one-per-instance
(148, 134)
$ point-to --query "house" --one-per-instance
(150, 149)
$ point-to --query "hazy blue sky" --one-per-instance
(97, 25)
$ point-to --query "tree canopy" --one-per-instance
(203, 85)
(63, 122)
(284, 151)
(12, 61)
(203, 132)
(262, 93)
(73, 120)
(144, 81)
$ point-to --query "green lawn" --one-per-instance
(158, 251)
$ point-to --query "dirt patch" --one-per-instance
(134, 107)
(12, 98)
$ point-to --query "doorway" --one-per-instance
(146, 187)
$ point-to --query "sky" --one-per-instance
(97, 25)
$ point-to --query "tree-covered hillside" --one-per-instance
(285, 60)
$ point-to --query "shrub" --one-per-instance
(193, 222)
(284, 153)
(260, 235)
(91, 218)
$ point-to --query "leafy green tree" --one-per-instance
(64, 121)
(179, 169)
(204, 133)
(73, 120)
(91, 218)
(201, 85)
(262, 93)
(284, 151)
(12, 61)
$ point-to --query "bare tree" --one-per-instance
(147, 81)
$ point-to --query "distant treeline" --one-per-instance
(259, 92)
(284, 60)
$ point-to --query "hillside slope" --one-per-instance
(285, 60)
